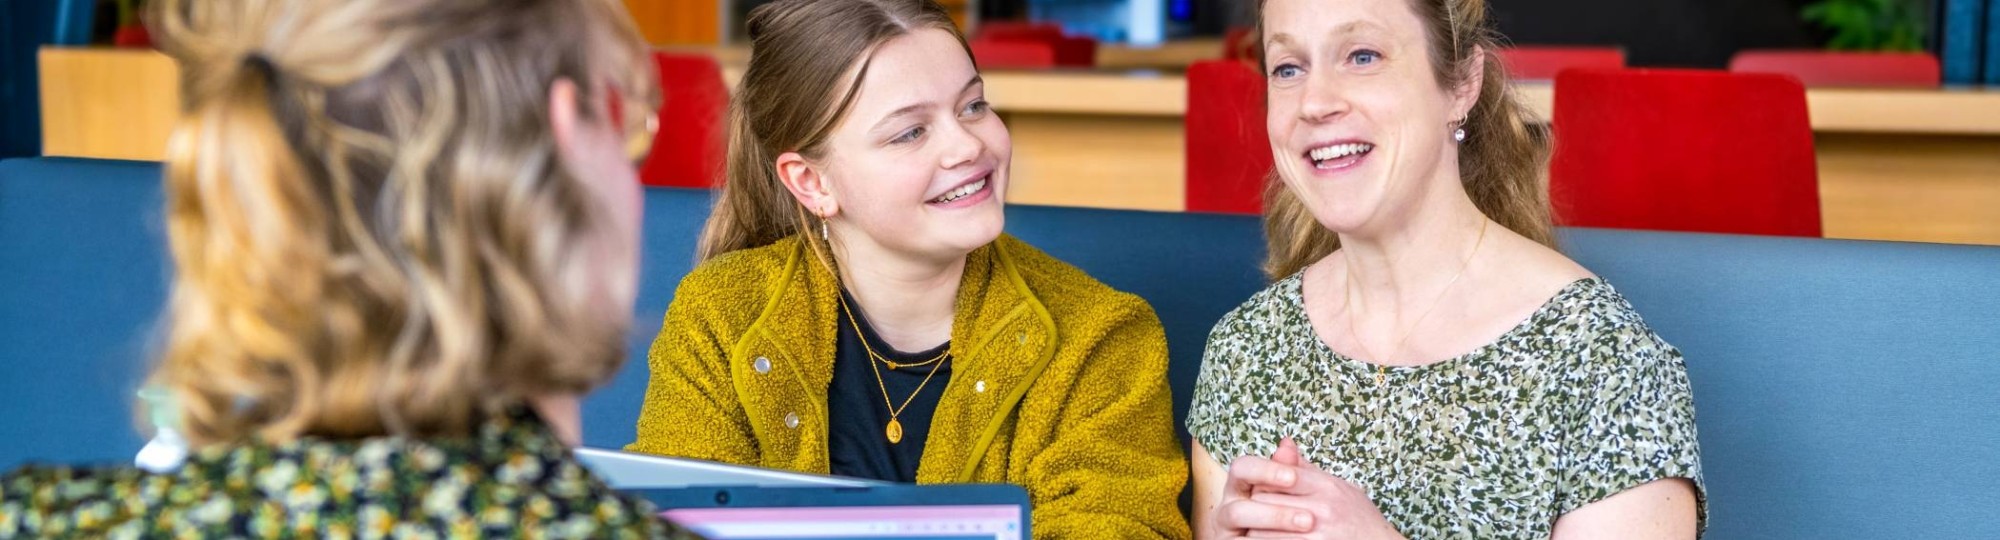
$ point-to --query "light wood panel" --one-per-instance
(1170, 56)
(107, 103)
(1088, 93)
(1107, 162)
(1910, 188)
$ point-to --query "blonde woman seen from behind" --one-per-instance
(404, 235)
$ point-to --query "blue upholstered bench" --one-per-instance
(1843, 389)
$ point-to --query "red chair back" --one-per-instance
(688, 149)
(1678, 150)
(1018, 30)
(1237, 44)
(1543, 63)
(1013, 54)
(1828, 68)
(1228, 151)
(1076, 52)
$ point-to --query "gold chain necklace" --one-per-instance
(856, 323)
(894, 431)
(1382, 363)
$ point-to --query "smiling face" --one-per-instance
(919, 164)
(1360, 126)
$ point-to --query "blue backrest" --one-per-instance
(83, 276)
(1843, 389)
(673, 223)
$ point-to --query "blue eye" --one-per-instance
(1365, 57)
(1286, 71)
(908, 136)
(977, 107)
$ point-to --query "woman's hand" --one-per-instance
(1285, 497)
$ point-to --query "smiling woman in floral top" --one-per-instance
(404, 235)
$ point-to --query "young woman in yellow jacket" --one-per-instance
(858, 311)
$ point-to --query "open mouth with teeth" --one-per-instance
(1338, 156)
(968, 191)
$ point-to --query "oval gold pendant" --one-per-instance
(895, 431)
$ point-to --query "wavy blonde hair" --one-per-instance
(371, 228)
(1503, 162)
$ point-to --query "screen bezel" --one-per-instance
(843, 497)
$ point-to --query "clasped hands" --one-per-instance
(1286, 497)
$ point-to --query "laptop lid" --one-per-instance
(890, 512)
(629, 471)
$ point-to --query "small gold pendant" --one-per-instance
(895, 431)
(895, 366)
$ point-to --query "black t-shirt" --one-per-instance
(857, 440)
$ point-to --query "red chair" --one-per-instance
(1678, 150)
(1066, 51)
(1027, 53)
(688, 149)
(1018, 30)
(1542, 63)
(1076, 52)
(1238, 44)
(1228, 151)
(1828, 68)
(1013, 54)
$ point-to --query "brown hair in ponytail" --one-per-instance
(807, 60)
(1502, 163)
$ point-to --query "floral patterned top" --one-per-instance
(1575, 404)
(513, 480)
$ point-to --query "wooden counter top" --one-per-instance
(1950, 111)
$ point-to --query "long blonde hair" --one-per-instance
(371, 228)
(795, 91)
(1503, 162)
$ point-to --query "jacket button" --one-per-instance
(792, 420)
(979, 386)
(1021, 338)
(762, 365)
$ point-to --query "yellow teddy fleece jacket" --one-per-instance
(1060, 388)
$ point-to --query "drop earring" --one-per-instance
(1458, 135)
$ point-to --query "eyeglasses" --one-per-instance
(640, 123)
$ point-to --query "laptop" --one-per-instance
(888, 512)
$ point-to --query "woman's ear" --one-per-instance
(564, 116)
(808, 184)
(1467, 93)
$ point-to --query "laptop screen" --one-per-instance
(898, 512)
(844, 523)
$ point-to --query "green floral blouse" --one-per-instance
(1575, 404)
(513, 480)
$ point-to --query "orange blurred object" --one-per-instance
(678, 22)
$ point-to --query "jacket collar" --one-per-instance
(1002, 336)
